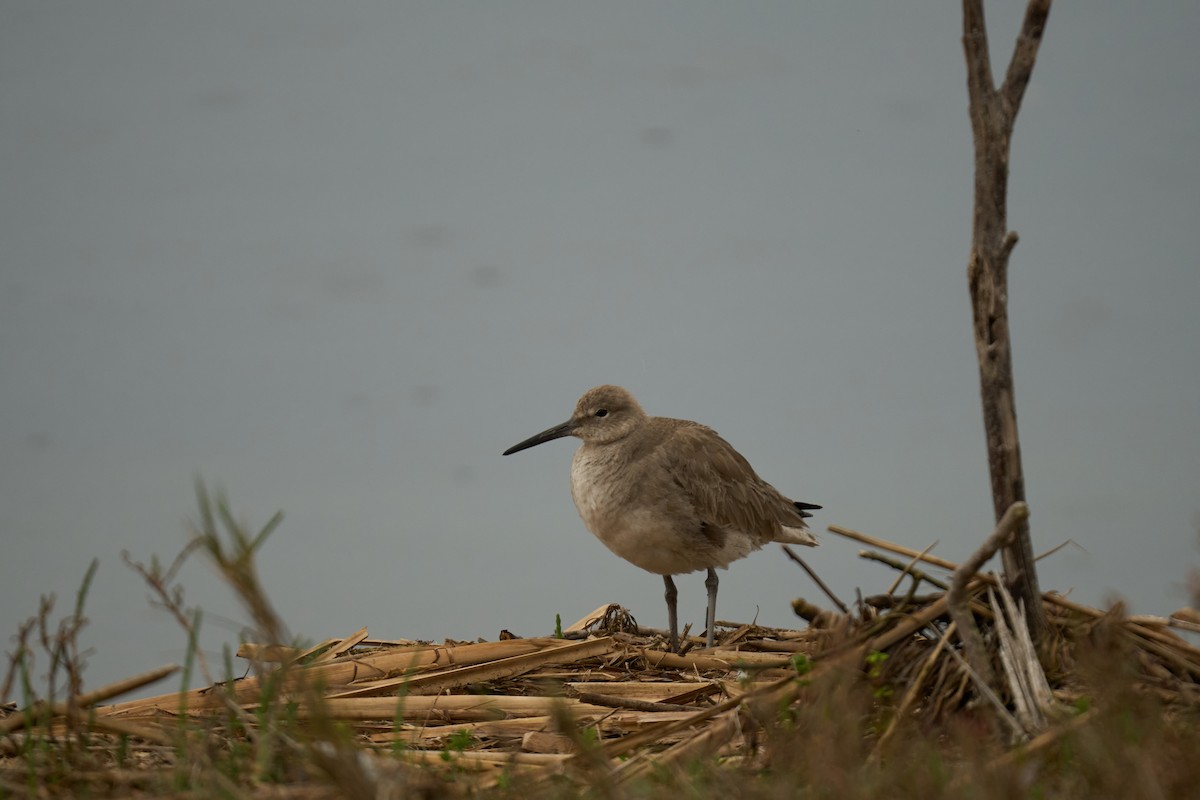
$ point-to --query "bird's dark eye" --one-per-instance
(602, 412)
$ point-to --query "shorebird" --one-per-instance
(670, 495)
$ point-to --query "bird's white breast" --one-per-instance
(640, 526)
(600, 485)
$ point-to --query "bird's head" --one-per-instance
(604, 414)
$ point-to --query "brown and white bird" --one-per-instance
(670, 495)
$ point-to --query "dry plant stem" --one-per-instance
(886, 601)
(1144, 631)
(1058, 547)
(993, 112)
(816, 579)
(84, 701)
(1050, 597)
(957, 598)
(587, 757)
(171, 600)
(908, 567)
(630, 703)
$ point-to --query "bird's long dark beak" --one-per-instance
(557, 432)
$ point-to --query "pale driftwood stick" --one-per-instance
(1027, 678)
(957, 598)
(816, 579)
(1016, 653)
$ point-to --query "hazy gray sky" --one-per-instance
(336, 257)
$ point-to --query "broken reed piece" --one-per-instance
(957, 597)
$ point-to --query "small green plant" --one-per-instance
(398, 744)
(457, 743)
(875, 661)
(181, 780)
(558, 634)
(460, 741)
(56, 733)
(802, 664)
(122, 753)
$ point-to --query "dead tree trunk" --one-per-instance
(993, 112)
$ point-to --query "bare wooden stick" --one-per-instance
(993, 112)
(957, 597)
(892, 547)
(816, 579)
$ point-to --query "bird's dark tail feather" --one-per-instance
(804, 508)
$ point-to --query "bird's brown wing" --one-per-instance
(724, 489)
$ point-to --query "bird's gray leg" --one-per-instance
(672, 616)
(710, 619)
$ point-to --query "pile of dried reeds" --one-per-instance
(604, 700)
